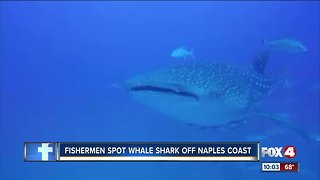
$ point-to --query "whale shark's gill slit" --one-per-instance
(165, 91)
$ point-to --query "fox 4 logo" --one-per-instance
(289, 151)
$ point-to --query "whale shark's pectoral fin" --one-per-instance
(283, 119)
(226, 127)
(237, 124)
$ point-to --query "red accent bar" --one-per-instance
(289, 167)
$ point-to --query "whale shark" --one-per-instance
(209, 94)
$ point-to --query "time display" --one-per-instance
(270, 166)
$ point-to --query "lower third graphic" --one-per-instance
(40, 151)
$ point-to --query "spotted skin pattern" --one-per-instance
(211, 80)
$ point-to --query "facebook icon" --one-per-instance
(40, 152)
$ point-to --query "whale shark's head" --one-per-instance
(183, 82)
(150, 87)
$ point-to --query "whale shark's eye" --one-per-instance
(164, 90)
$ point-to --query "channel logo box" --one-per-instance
(274, 152)
(40, 151)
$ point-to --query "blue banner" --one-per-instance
(159, 151)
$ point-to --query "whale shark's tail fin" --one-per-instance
(281, 45)
(283, 119)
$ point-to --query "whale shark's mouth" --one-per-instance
(164, 90)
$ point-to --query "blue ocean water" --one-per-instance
(59, 61)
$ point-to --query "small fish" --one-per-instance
(284, 45)
(182, 52)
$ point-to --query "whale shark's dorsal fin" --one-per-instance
(283, 45)
(260, 62)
